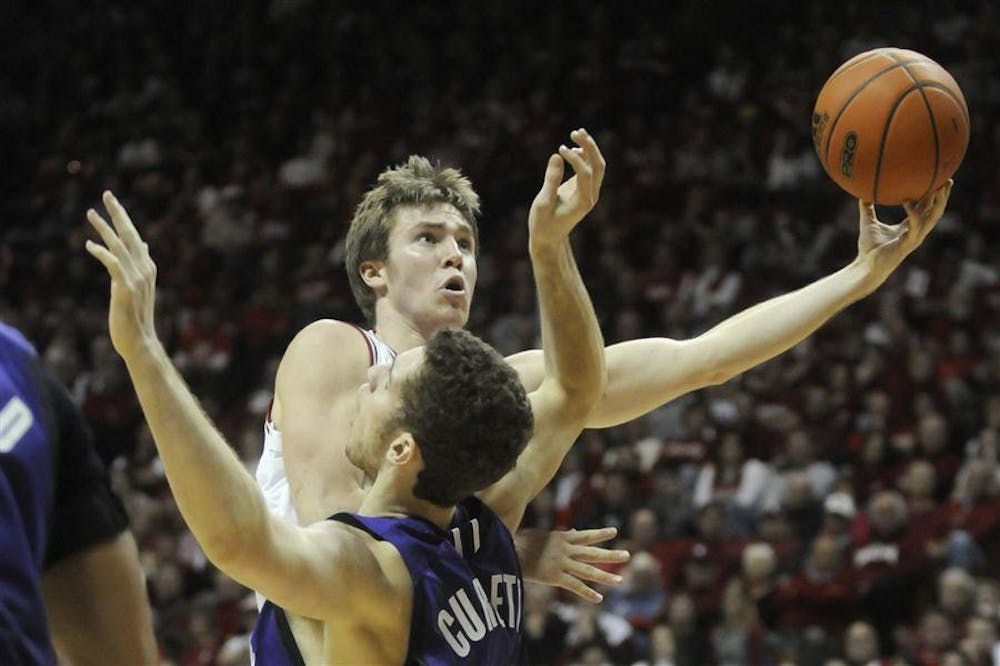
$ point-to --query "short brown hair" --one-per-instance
(416, 182)
(468, 413)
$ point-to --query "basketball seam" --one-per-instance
(934, 130)
(847, 102)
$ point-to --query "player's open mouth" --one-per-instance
(455, 285)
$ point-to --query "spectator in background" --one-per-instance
(889, 567)
(918, 483)
(934, 638)
(591, 628)
(739, 483)
(981, 644)
(692, 646)
(662, 648)
(738, 638)
(815, 605)
(799, 459)
(860, 645)
(967, 528)
(640, 598)
(544, 628)
(956, 595)
(838, 519)
(799, 505)
(934, 445)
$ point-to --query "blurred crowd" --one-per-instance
(837, 505)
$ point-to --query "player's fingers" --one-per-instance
(589, 572)
(588, 537)
(109, 260)
(582, 169)
(597, 554)
(579, 588)
(123, 223)
(112, 242)
(594, 157)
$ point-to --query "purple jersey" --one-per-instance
(26, 480)
(467, 591)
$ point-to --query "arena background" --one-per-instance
(241, 135)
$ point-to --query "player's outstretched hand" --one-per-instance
(566, 559)
(133, 278)
(560, 206)
(882, 247)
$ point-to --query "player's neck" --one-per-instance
(394, 497)
(400, 333)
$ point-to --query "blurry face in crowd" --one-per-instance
(711, 522)
(643, 573)
(932, 432)
(643, 528)
(977, 480)
(860, 645)
(982, 634)
(919, 480)
(825, 556)
(758, 562)
(936, 631)
(955, 591)
(430, 274)
(886, 513)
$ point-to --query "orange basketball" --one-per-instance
(890, 125)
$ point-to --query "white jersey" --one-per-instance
(271, 475)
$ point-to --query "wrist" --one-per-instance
(545, 247)
(144, 351)
(861, 278)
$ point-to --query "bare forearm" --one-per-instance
(86, 597)
(218, 498)
(644, 374)
(776, 325)
(572, 343)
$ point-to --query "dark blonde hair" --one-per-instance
(416, 182)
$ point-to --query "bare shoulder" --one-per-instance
(327, 355)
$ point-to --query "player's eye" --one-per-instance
(426, 237)
(465, 243)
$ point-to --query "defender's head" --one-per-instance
(453, 412)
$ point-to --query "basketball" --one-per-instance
(890, 125)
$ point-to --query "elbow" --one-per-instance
(583, 398)
(225, 551)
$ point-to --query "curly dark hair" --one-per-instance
(468, 412)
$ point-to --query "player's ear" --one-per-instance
(373, 274)
(402, 450)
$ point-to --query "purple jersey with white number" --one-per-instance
(26, 480)
(467, 591)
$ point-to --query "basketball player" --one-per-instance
(70, 568)
(411, 259)
(424, 572)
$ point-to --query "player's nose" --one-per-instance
(452, 252)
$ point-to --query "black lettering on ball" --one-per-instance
(847, 154)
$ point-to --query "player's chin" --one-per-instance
(455, 314)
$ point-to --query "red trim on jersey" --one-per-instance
(368, 343)
(270, 404)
